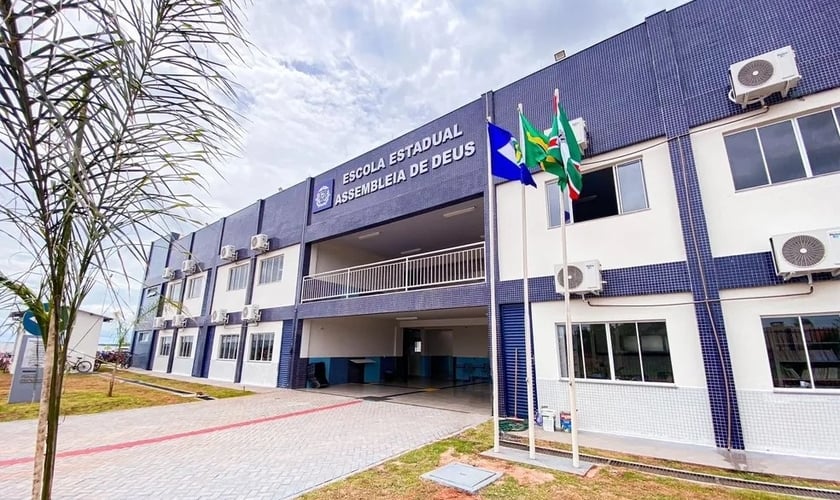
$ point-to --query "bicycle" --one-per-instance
(80, 366)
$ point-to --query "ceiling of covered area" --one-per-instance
(428, 231)
(456, 313)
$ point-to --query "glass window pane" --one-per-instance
(784, 162)
(822, 335)
(822, 142)
(625, 351)
(788, 364)
(561, 340)
(631, 186)
(596, 354)
(656, 353)
(745, 159)
(598, 198)
(552, 193)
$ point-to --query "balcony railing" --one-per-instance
(463, 264)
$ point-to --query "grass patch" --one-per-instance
(400, 478)
(750, 476)
(84, 394)
(210, 390)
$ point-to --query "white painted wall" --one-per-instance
(84, 340)
(788, 421)
(470, 341)
(646, 237)
(329, 256)
(678, 411)
(192, 307)
(184, 366)
(278, 293)
(222, 369)
(232, 301)
(160, 363)
(350, 337)
(762, 211)
(263, 373)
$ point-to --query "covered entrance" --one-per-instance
(428, 358)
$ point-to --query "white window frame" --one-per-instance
(230, 283)
(264, 338)
(166, 340)
(276, 269)
(552, 184)
(181, 346)
(174, 298)
(807, 350)
(561, 348)
(194, 291)
(143, 337)
(219, 350)
(800, 144)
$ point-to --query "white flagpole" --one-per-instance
(494, 344)
(570, 357)
(526, 300)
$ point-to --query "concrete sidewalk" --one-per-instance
(764, 463)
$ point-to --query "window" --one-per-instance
(165, 346)
(785, 151)
(238, 277)
(195, 286)
(174, 294)
(610, 191)
(619, 351)
(804, 351)
(228, 346)
(271, 269)
(143, 337)
(185, 349)
(262, 347)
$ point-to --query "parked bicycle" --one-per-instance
(80, 365)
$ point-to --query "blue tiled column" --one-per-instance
(704, 286)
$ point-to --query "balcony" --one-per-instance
(450, 266)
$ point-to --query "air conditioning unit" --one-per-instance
(251, 314)
(584, 277)
(806, 252)
(158, 323)
(168, 273)
(579, 128)
(757, 78)
(179, 321)
(188, 266)
(219, 317)
(228, 252)
(259, 242)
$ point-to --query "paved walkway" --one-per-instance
(271, 445)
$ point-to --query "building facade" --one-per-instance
(378, 268)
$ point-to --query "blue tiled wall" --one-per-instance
(283, 215)
(158, 259)
(448, 183)
(239, 228)
(205, 248)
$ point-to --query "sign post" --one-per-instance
(29, 363)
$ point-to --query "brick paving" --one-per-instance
(279, 457)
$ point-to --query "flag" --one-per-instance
(537, 150)
(506, 159)
(563, 147)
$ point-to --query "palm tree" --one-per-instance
(109, 112)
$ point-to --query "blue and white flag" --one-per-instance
(506, 158)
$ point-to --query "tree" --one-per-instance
(110, 110)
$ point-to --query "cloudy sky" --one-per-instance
(330, 80)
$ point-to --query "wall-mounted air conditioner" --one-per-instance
(168, 273)
(579, 128)
(189, 266)
(259, 242)
(219, 317)
(228, 253)
(179, 321)
(806, 252)
(584, 277)
(158, 323)
(251, 314)
(755, 79)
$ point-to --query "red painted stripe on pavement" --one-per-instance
(160, 439)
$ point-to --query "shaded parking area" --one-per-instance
(467, 397)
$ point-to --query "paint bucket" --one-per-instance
(547, 419)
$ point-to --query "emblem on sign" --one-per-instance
(322, 198)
